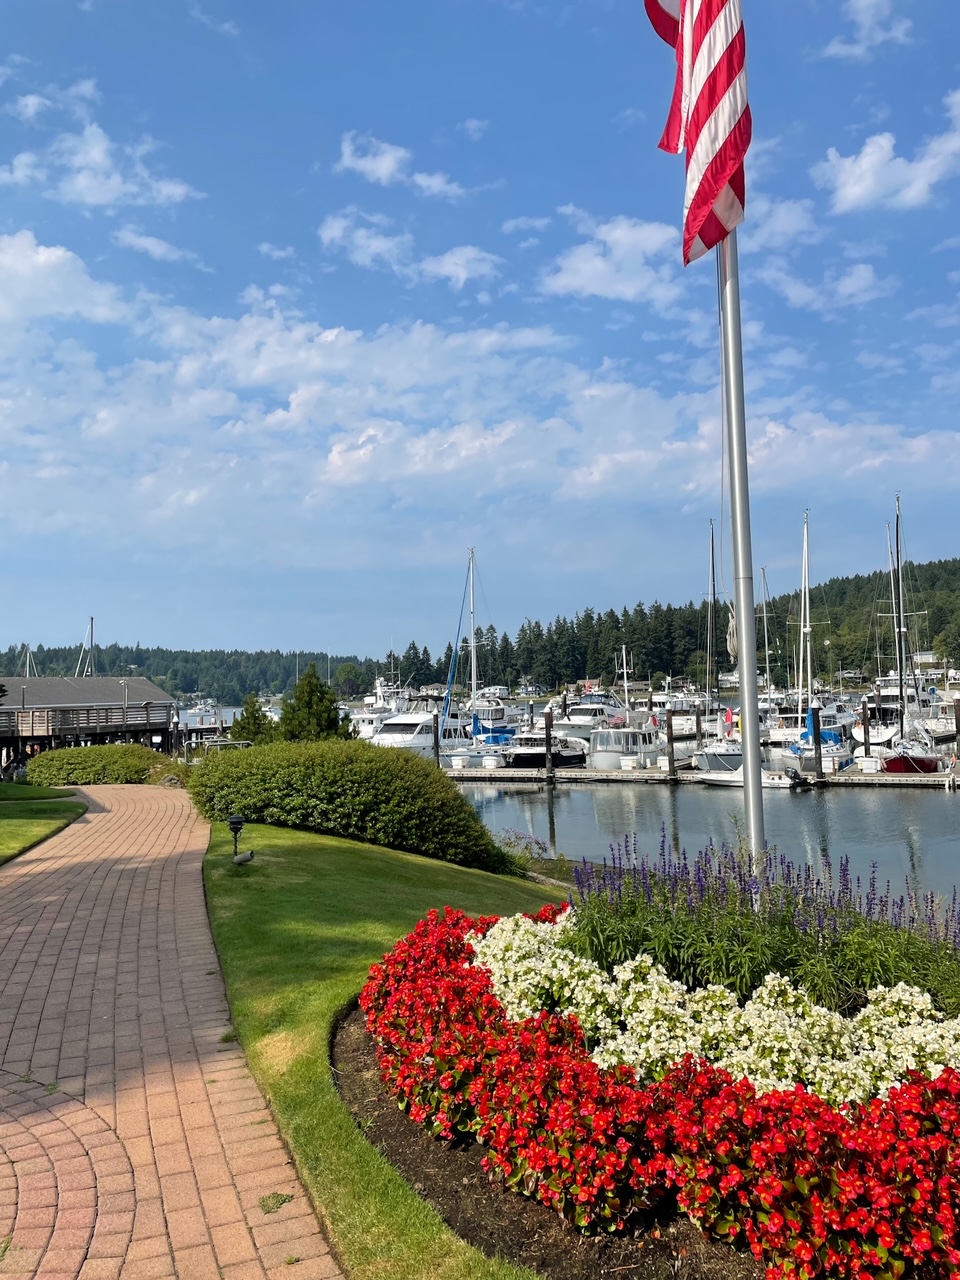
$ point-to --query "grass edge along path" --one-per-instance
(29, 815)
(297, 930)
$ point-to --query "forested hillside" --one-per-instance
(660, 640)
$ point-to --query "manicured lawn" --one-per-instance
(297, 930)
(31, 814)
(24, 791)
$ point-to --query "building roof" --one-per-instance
(81, 691)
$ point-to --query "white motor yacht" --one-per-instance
(528, 750)
(610, 747)
(414, 730)
(386, 701)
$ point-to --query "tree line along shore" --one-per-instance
(660, 640)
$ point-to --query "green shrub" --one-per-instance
(85, 766)
(352, 789)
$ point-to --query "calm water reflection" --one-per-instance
(909, 834)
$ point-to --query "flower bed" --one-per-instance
(639, 1017)
(861, 1189)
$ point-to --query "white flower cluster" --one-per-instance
(778, 1037)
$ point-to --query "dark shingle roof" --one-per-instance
(81, 691)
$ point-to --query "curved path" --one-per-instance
(133, 1139)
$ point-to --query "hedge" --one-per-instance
(352, 789)
(85, 766)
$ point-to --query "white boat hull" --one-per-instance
(770, 779)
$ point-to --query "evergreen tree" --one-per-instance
(312, 712)
(253, 724)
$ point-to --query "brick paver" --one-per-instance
(133, 1139)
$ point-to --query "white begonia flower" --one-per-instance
(640, 1017)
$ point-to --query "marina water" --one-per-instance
(912, 835)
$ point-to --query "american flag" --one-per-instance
(709, 115)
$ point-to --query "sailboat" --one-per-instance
(722, 752)
(834, 750)
(910, 747)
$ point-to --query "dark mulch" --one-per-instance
(502, 1223)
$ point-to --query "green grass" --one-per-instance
(24, 791)
(31, 814)
(297, 930)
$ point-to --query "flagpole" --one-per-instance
(736, 426)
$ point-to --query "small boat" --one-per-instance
(593, 709)
(491, 714)
(610, 747)
(914, 752)
(582, 721)
(909, 756)
(770, 779)
(528, 750)
(719, 756)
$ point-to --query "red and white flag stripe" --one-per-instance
(709, 116)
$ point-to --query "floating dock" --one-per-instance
(685, 777)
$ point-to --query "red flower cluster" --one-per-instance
(865, 1191)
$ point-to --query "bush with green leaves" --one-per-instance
(718, 919)
(86, 766)
(391, 798)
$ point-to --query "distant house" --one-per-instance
(40, 712)
(495, 691)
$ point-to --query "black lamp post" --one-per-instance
(235, 823)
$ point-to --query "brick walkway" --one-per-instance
(133, 1140)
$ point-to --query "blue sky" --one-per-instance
(299, 301)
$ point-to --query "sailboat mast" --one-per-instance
(895, 619)
(766, 637)
(805, 662)
(712, 630)
(473, 638)
(901, 618)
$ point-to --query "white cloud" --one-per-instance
(22, 170)
(524, 224)
(48, 281)
(275, 253)
(854, 287)
(872, 20)
(474, 129)
(629, 117)
(79, 97)
(28, 106)
(877, 176)
(385, 164)
(365, 241)
(881, 363)
(437, 184)
(778, 224)
(618, 262)
(94, 174)
(160, 250)
(466, 262)
(224, 28)
(333, 438)
(9, 67)
(380, 162)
